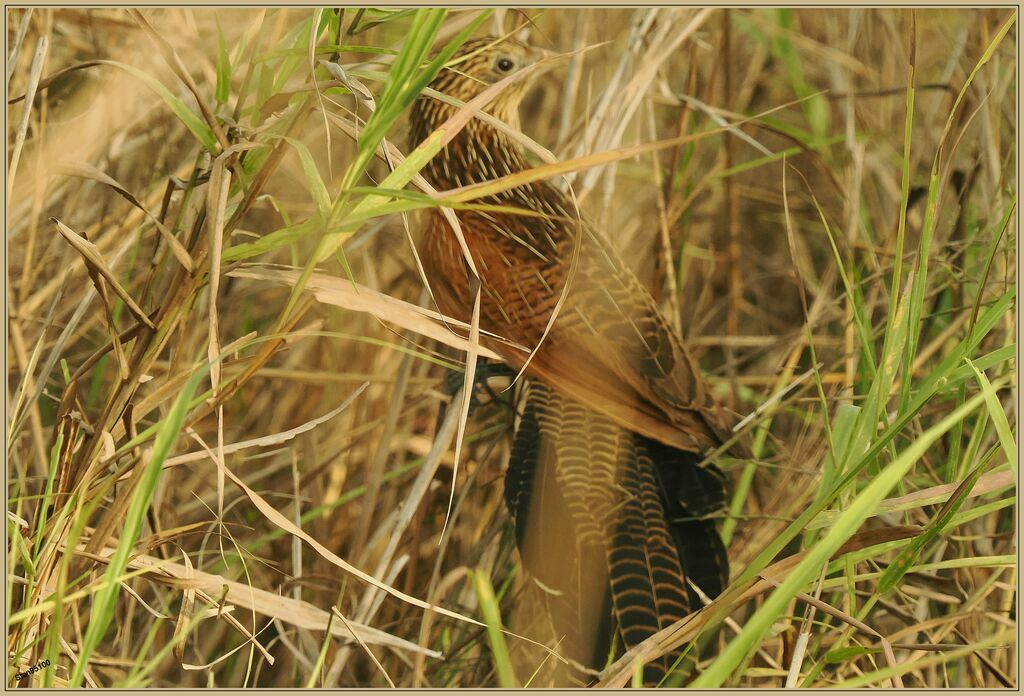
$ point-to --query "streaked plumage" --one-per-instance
(617, 415)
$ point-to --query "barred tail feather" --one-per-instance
(610, 523)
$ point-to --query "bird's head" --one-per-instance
(481, 62)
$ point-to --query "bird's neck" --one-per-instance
(478, 153)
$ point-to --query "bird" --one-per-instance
(613, 511)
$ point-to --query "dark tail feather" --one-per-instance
(648, 580)
(692, 494)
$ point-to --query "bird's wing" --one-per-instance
(609, 345)
(611, 338)
(571, 366)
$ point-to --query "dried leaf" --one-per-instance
(352, 84)
(286, 609)
(188, 600)
(84, 170)
(93, 259)
(343, 293)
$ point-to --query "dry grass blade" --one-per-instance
(284, 523)
(188, 601)
(108, 318)
(225, 612)
(216, 201)
(28, 370)
(12, 61)
(85, 170)
(147, 404)
(286, 609)
(627, 101)
(174, 61)
(415, 496)
(846, 618)
(268, 440)
(988, 483)
(342, 293)
(94, 260)
(364, 646)
(472, 192)
(19, 138)
(465, 394)
(53, 77)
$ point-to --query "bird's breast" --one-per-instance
(520, 268)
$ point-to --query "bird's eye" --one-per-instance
(504, 64)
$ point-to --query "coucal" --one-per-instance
(610, 506)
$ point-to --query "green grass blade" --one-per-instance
(810, 567)
(931, 216)
(998, 415)
(188, 117)
(316, 183)
(906, 558)
(223, 69)
(492, 617)
(103, 607)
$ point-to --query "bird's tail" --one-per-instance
(607, 522)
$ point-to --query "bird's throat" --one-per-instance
(479, 152)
